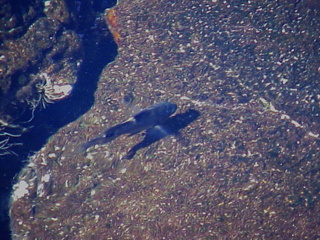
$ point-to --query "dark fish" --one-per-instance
(172, 126)
(146, 119)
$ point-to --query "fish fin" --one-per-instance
(135, 110)
(89, 144)
(158, 131)
(131, 109)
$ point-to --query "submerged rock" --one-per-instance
(46, 46)
(246, 168)
(43, 45)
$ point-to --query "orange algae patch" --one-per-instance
(112, 22)
(111, 17)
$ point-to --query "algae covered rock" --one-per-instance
(246, 168)
(39, 59)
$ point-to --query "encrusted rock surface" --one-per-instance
(247, 168)
(40, 55)
(42, 47)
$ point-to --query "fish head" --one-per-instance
(171, 108)
(165, 110)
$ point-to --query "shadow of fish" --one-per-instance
(144, 120)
